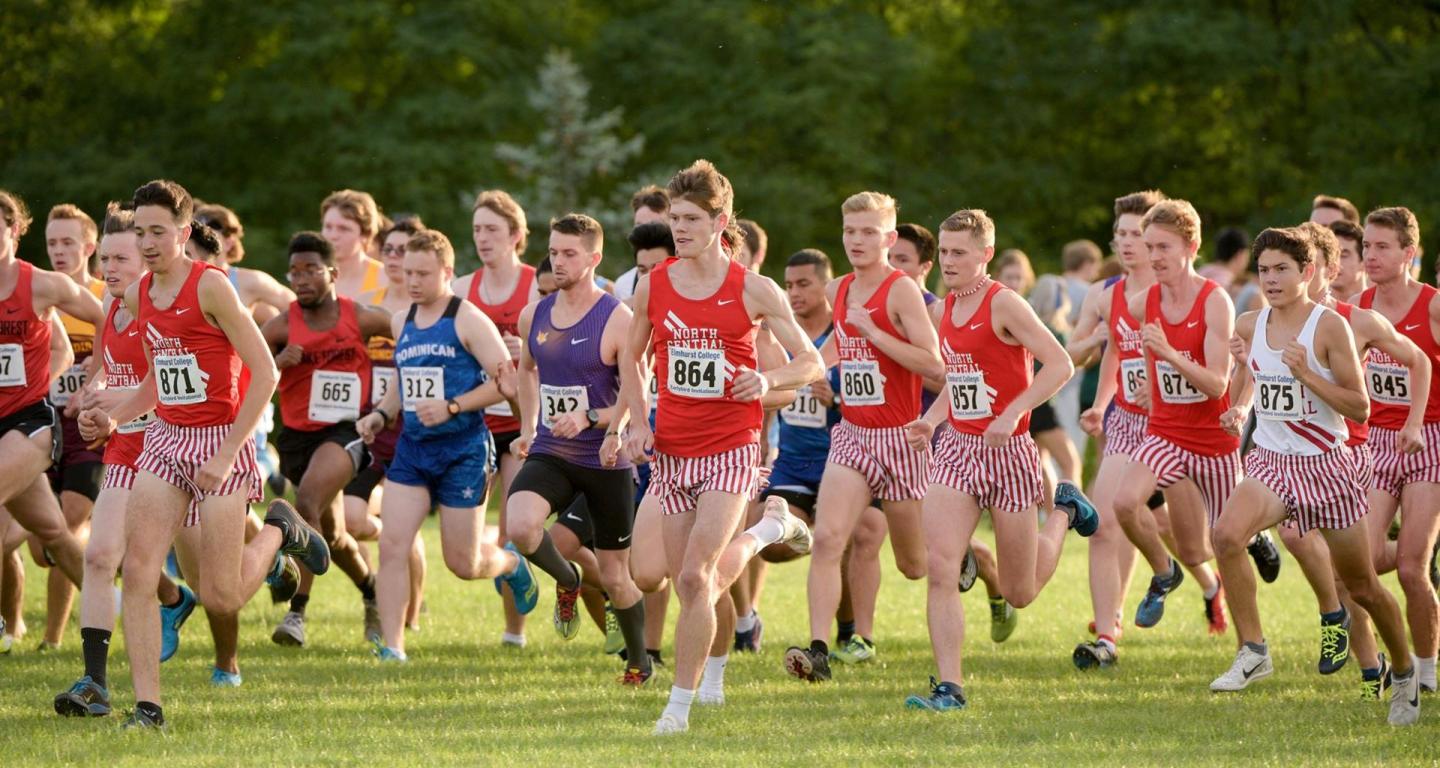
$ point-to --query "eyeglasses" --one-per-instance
(392, 250)
(304, 274)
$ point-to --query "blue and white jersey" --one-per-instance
(433, 364)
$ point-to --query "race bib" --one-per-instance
(805, 411)
(697, 373)
(558, 401)
(139, 423)
(67, 385)
(381, 380)
(179, 380)
(1388, 384)
(861, 382)
(1277, 397)
(1132, 378)
(1174, 388)
(501, 408)
(12, 365)
(969, 398)
(421, 383)
(334, 396)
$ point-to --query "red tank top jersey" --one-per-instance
(875, 391)
(125, 365)
(1389, 398)
(506, 316)
(197, 371)
(24, 346)
(1178, 412)
(336, 361)
(1126, 329)
(983, 374)
(1359, 430)
(700, 345)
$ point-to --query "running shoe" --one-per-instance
(969, 571)
(222, 679)
(46, 646)
(614, 638)
(386, 654)
(795, 533)
(636, 678)
(172, 566)
(7, 640)
(566, 619)
(1152, 606)
(943, 697)
(1096, 655)
(1215, 610)
(1084, 520)
(807, 664)
(1266, 556)
(857, 651)
(1248, 667)
(171, 620)
(138, 720)
(85, 698)
(372, 621)
(1003, 619)
(1334, 643)
(290, 631)
(1435, 566)
(668, 725)
(749, 642)
(284, 579)
(522, 583)
(301, 541)
(1373, 682)
(1405, 697)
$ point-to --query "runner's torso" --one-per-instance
(1289, 418)
(125, 366)
(805, 423)
(331, 383)
(875, 390)
(1126, 329)
(574, 377)
(433, 364)
(197, 371)
(1179, 412)
(24, 346)
(983, 374)
(1359, 430)
(1386, 381)
(82, 341)
(506, 316)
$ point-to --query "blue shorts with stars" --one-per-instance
(456, 471)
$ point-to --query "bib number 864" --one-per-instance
(693, 373)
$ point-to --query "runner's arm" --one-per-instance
(70, 298)
(1242, 384)
(261, 288)
(1018, 320)
(765, 302)
(1378, 332)
(528, 377)
(1336, 347)
(771, 355)
(612, 347)
(219, 301)
(62, 355)
(1088, 337)
(921, 353)
(480, 336)
(374, 321)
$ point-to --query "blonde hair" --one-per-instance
(72, 212)
(1051, 301)
(503, 205)
(433, 241)
(1016, 257)
(861, 202)
(356, 206)
(975, 221)
(1178, 216)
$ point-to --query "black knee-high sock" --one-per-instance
(632, 626)
(549, 560)
(95, 643)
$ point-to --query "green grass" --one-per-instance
(462, 700)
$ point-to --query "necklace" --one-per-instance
(984, 281)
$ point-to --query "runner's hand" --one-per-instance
(820, 390)
(639, 442)
(95, 424)
(1001, 428)
(610, 449)
(1412, 440)
(508, 381)
(918, 434)
(1092, 421)
(432, 412)
(1233, 420)
(292, 354)
(1295, 357)
(749, 385)
(1154, 340)
(520, 446)
(861, 317)
(370, 425)
(568, 426)
(1239, 350)
(215, 471)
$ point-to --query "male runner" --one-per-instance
(990, 339)
(450, 359)
(649, 204)
(501, 287)
(914, 254)
(198, 463)
(1185, 340)
(1306, 382)
(884, 344)
(320, 346)
(261, 293)
(569, 396)
(702, 313)
(350, 220)
(122, 370)
(753, 242)
(1350, 279)
(1327, 209)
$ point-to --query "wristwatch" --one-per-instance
(453, 407)
(592, 416)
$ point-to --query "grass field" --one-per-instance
(462, 700)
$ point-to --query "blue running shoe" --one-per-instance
(1152, 606)
(84, 699)
(222, 679)
(387, 654)
(172, 566)
(943, 698)
(522, 583)
(1083, 517)
(171, 620)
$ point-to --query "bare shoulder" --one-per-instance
(1245, 323)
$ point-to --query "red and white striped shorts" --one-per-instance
(1317, 491)
(1004, 479)
(120, 476)
(174, 454)
(1215, 476)
(894, 470)
(1395, 470)
(1124, 431)
(1364, 460)
(678, 481)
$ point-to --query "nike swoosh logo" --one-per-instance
(1192, 325)
(573, 342)
(182, 311)
(1252, 670)
(977, 326)
(624, 538)
(1412, 326)
(724, 302)
(572, 516)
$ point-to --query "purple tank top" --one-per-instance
(573, 377)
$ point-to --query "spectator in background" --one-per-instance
(650, 203)
(1051, 301)
(752, 247)
(1080, 261)
(1325, 210)
(1012, 270)
(1231, 263)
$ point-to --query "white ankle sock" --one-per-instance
(679, 704)
(714, 677)
(1427, 671)
(745, 623)
(511, 639)
(766, 532)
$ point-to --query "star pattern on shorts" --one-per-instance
(468, 493)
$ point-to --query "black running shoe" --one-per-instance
(285, 581)
(807, 664)
(84, 699)
(139, 720)
(301, 541)
(1096, 655)
(969, 570)
(1334, 644)
(1267, 557)
(1152, 607)
(1373, 682)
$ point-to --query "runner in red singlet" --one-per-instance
(701, 312)
(198, 463)
(884, 344)
(501, 288)
(990, 339)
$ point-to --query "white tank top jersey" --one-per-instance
(1289, 417)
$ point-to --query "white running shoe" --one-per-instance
(290, 631)
(1249, 666)
(1405, 697)
(669, 724)
(796, 534)
(710, 698)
